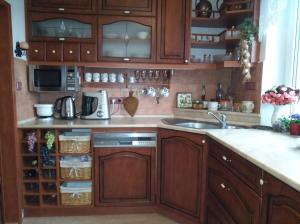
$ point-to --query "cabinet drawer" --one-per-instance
(247, 171)
(53, 51)
(71, 52)
(36, 51)
(88, 52)
(127, 7)
(233, 199)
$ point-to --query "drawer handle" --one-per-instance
(61, 9)
(61, 39)
(126, 12)
(203, 141)
(88, 52)
(126, 59)
(226, 159)
(53, 51)
(223, 186)
(262, 182)
(186, 61)
(36, 50)
(70, 52)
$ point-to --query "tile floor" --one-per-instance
(103, 219)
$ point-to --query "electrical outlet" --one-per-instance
(19, 85)
(118, 100)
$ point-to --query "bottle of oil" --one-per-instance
(219, 92)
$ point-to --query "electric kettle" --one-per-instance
(64, 108)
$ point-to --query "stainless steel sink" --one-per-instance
(196, 124)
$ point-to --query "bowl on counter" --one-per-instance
(44, 110)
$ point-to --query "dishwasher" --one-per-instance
(124, 168)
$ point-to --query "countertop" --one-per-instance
(276, 153)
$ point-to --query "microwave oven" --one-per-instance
(44, 78)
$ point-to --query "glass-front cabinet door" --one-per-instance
(62, 27)
(126, 39)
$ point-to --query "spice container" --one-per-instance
(197, 104)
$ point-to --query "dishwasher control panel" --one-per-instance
(124, 139)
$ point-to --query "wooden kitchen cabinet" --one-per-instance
(126, 39)
(71, 51)
(88, 52)
(36, 51)
(173, 38)
(54, 51)
(230, 200)
(182, 173)
(127, 7)
(281, 203)
(63, 6)
(124, 176)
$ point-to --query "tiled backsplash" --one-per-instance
(182, 81)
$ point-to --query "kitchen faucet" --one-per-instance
(220, 117)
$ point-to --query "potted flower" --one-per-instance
(280, 97)
(295, 124)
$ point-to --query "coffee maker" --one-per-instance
(95, 105)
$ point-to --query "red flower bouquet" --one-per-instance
(280, 95)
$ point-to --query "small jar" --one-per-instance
(196, 104)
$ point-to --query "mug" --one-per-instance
(164, 92)
(213, 106)
(112, 77)
(104, 77)
(88, 77)
(96, 77)
(247, 106)
(121, 78)
(131, 79)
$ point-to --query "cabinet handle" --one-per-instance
(223, 186)
(186, 61)
(53, 51)
(61, 39)
(126, 12)
(126, 59)
(203, 141)
(36, 50)
(262, 182)
(61, 9)
(88, 52)
(70, 52)
(226, 159)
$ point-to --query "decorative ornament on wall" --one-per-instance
(248, 35)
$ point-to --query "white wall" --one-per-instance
(18, 21)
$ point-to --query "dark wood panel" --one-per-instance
(127, 7)
(54, 51)
(71, 51)
(64, 6)
(236, 202)
(173, 41)
(247, 171)
(9, 156)
(281, 202)
(88, 52)
(124, 176)
(182, 172)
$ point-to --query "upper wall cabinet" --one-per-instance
(127, 7)
(173, 38)
(127, 39)
(64, 27)
(66, 6)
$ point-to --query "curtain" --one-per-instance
(279, 36)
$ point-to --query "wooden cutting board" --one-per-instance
(131, 104)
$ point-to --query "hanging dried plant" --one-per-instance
(248, 33)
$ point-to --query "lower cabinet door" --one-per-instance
(54, 51)
(229, 199)
(124, 176)
(281, 202)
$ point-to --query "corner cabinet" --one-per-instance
(173, 39)
(127, 7)
(281, 202)
(126, 39)
(124, 176)
(64, 6)
(182, 173)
